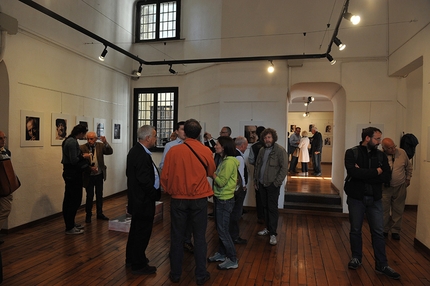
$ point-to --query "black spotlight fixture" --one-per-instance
(139, 71)
(355, 19)
(330, 59)
(172, 71)
(102, 56)
(339, 44)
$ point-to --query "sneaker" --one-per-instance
(75, 231)
(204, 279)
(354, 263)
(217, 257)
(273, 240)
(240, 240)
(188, 246)
(263, 232)
(173, 279)
(228, 264)
(79, 226)
(387, 270)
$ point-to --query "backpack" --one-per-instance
(408, 142)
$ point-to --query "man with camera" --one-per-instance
(394, 192)
(97, 174)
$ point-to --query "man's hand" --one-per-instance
(379, 170)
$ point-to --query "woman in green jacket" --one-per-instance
(225, 181)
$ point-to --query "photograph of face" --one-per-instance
(292, 128)
(61, 128)
(328, 129)
(32, 128)
(251, 133)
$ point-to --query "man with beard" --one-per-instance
(270, 170)
(367, 169)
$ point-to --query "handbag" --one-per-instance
(9, 182)
(296, 152)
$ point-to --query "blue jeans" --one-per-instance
(223, 209)
(236, 214)
(293, 164)
(374, 214)
(316, 160)
(182, 213)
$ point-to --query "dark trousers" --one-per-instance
(269, 197)
(316, 160)
(140, 232)
(182, 213)
(72, 197)
(293, 164)
(95, 182)
(374, 215)
(236, 214)
(304, 167)
(259, 205)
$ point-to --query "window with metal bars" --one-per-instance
(157, 107)
(157, 20)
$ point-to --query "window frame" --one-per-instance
(157, 33)
(154, 120)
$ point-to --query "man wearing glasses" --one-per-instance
(394, 193)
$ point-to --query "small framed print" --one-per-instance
(61, 125)
(86, 121)
(100, 127)
(31, 128)
(116, 131)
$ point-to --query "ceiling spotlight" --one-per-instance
(306, 114)
(330, 59)
(355, 19)
(102, 56)
(306, 103)
(271, 68)
(172, 71)
(339, 44)
(139, 71)
(310, 99)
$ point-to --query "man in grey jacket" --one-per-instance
(270, 170)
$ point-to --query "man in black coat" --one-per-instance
(143, 190)
(316, 150)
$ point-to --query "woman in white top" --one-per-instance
(304, 152)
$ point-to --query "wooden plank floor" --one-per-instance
(311, 250)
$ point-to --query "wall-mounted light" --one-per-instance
(172, 71)
(271, 68)
(139, 71)
(102, 56)
(355, 19)
(339, 44)
(330, 59)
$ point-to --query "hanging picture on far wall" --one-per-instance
(61, 126)
(328, 128)
(116, 131)
(100, 127)
(31, 128)
(87, 122)
(250, 130)
(327, 141)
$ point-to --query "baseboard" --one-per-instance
(419, 245)
(44, 219)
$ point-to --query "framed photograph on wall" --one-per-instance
(328, 128)
(61, 126)
(327, 141)
(100, 126)
(86, 121)
(117, 131)
(250, 130)
(31, 128)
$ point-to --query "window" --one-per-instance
(157, 107)
(157, 20)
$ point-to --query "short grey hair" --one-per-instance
(144, 131)
(239, 140)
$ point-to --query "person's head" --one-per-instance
(225, 146)
(2, 139)
(192, 128)
(32, 128)
(269, 137)
(304, 133)
(241, 143)
(225, 131)
(79, 131)
(259, 130)
(251, 133)
(179, 130)
(61, 127)
(371, 137)
(388, 146)
(173, 136)
(91, 138)
(297, 130)
(147, 135)
(314, 129)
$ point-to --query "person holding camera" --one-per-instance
(74, 164)
(394, 192)
(367, 169)
(97, 174)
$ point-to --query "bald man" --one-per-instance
(394, 193)
(95, 178)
